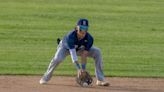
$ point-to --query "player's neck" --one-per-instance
(79, 37)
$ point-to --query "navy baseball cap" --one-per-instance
(83, 24)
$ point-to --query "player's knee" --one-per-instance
(58, 59)
(97, 51)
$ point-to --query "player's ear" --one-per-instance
(77, 28)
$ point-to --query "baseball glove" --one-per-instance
(84, 79)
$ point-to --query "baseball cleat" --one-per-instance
(102, 83)
(42, 81)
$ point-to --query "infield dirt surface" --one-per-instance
(68, 84)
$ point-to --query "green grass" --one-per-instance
(130, 34)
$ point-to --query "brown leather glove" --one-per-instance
(83, 78)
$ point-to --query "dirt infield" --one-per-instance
(68, 84)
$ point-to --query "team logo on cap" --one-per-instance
(84, 23)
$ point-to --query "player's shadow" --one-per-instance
(110, 88)
(68, 85)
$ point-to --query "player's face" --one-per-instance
(81, 33)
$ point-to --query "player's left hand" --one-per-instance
(84, 77)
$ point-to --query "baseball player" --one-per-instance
(77, 43)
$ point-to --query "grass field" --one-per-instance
(130, 34)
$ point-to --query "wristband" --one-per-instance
(77, 66)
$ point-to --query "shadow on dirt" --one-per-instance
(109, 88)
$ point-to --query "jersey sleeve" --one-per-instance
(71, 46)
(70, 41)
(73, 55)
